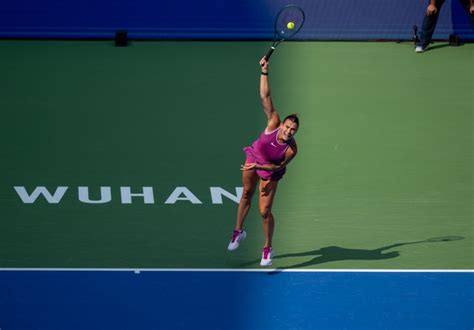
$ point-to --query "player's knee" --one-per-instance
(265, 212)
(247, 194)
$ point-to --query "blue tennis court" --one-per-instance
(235, 299)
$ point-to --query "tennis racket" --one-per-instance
(288, 22)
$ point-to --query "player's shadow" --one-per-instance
(336, 253)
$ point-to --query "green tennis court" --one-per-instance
(385, 154)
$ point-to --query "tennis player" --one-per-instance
(265, 163)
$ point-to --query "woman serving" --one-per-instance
(265, 163)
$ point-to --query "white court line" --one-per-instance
(236, 270)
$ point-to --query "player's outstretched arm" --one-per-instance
(273, 119)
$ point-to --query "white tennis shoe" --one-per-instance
(267, 254)
(420, 49)
(237, 237)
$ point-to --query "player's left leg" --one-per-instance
(266, 196)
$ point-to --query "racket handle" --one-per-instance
(269, 53)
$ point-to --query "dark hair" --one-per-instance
(294, 118)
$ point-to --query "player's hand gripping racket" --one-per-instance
(287, 23)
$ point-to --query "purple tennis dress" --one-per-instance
(267, 150)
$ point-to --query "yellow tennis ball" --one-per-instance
(290, 25)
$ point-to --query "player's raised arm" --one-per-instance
(272, 116)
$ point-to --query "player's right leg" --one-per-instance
(268, 190)
(249, 182)
(428, 28)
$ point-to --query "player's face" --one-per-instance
(288, 129)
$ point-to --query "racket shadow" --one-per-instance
(337, 253)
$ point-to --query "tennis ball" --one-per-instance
(290, 25)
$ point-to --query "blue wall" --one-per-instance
(213, 19)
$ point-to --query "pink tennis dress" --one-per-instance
(267, 150)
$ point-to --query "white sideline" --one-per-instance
(263, 270)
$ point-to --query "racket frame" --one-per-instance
(277, 34)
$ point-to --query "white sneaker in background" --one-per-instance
(419, 49)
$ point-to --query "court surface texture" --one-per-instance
(121, 175)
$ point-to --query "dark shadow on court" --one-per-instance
(431, 47)
(336, 253)
(434, 47)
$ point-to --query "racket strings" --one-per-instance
(290, 14)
